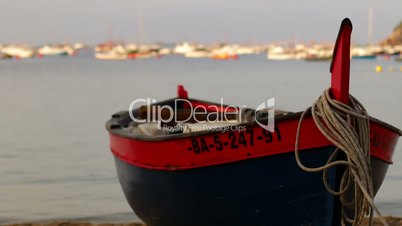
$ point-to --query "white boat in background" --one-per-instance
(142, 51)
(165, 51)
(369, 51)
(318, 53)
(246, 50)
(183, 48)
(18, 51)
(61, 50)
(363, 52)
(199, 53)
(280, 53)
(110, 56)
(116, 53)
(78, 46)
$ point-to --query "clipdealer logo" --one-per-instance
(267, 106)
(165, 114)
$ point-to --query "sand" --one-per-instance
(68, 223)
(392, 221)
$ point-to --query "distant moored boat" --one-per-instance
(18, 51)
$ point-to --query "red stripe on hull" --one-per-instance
(219, 148)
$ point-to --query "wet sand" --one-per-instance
(392, 221)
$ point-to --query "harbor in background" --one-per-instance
(55, 160)
(219, 51)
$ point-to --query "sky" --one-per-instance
(250, 22)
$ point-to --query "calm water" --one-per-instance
(54, 156)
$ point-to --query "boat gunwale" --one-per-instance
(114, 124)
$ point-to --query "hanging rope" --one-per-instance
(347, 127)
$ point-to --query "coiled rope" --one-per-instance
(347, 127)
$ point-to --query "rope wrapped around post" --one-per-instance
(347, 127)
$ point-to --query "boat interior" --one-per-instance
(175, 116)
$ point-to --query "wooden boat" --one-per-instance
(236, 177)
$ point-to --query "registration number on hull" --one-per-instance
(233, 140)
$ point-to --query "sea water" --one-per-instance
(54, 157)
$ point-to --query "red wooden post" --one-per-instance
(181, 92)
(340, 66)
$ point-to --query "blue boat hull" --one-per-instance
(263, 191)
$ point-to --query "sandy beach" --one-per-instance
(392, 221)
